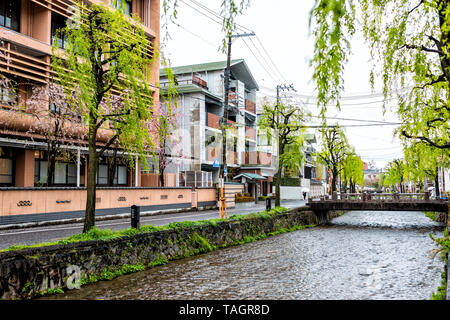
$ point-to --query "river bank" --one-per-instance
(443, 291)
(35, 271)
(361, 255)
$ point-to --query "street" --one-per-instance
(35, 235)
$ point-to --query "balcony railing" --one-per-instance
(257, 157)
(212, 120)
(213, 153)
(186, 82)
(35, 67)
(200, 82)
(232, 97)
(250, 133)
(232, 157)
(250, 106)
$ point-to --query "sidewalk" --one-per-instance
(59, 220)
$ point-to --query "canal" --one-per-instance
(360, 255)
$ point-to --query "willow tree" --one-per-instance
(410, 39)
(107, 58)
(334, 149)
(352, 172)
(395, 174)
(423, 162)
(284, 123)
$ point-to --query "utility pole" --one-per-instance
(224, 118)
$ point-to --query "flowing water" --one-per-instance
(360, 255)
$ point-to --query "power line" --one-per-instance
(280, 79)
(196, 35)
(355, 96)
(361, 120)
(262, 65)
(274, 69)
(273, 63)
(209, 17)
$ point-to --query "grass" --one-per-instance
(442, 289)
(107, 234)
(444, 244)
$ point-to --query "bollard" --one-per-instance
(269, 202)
(135, 216)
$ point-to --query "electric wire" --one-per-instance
(196, 35)
(275, 70)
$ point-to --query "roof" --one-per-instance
(209, 66)
(238, 68)
(250, 176)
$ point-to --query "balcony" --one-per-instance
(232, 157)
(213, 153)
(212, 120)
(25, 63)
(188, 82)
(200, 82)
(232, 97)
(257, 158)
(250, 106)
(250, 133)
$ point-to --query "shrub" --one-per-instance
(244, 199)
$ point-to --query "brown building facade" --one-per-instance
(27, 31)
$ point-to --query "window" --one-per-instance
(10, 14)
(102, 174)
(120, 175)
(8, 96)
(65, 172)
(6, 167)
(123, 5)
(58, 22)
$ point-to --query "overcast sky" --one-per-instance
(280, 54)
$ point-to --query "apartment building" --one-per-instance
(201, 102)
(27, 31)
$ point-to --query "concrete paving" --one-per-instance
(39, 234)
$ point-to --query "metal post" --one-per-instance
(135, 216)
(78, 167)
(136, 172)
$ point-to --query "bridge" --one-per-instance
(377, 202)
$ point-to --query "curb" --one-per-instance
(100, 218)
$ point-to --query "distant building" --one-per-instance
(372, 177)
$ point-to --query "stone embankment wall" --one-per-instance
(30, 272)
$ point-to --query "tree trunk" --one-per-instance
(89, 219)
(280, 168)
(436, 183)
(278, 189)
(334, 179)
(112, 168)
(161, 177)
(51, 162)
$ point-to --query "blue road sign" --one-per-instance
(216, 163)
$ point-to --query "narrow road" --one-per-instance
(35, 235)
